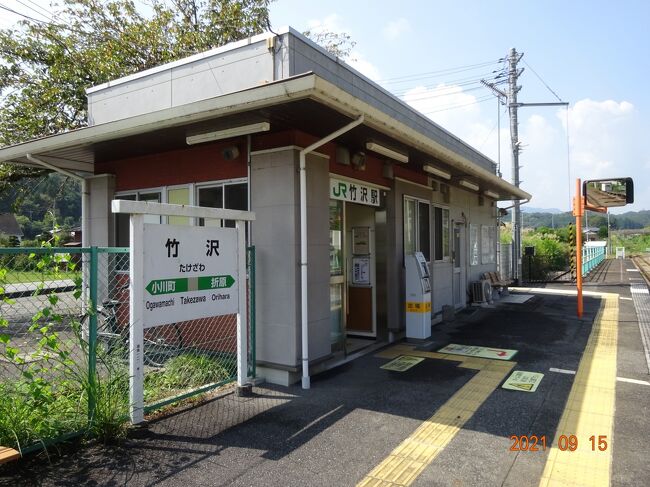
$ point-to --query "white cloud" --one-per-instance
(605, 141)
(395, 28)
(332, 23)
(361, 64)
(329, 23)
(436, 102)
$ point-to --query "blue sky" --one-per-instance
(592, 53)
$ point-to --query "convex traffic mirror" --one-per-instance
(606, 193)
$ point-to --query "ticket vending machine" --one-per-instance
(418, 297)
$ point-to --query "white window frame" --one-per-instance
(475, 238)
(445, 258)
(220, 183)
(417, 226)
(193, 190)
(492, 257)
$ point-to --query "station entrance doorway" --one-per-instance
(353, 277)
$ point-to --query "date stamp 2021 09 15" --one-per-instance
(564, 443)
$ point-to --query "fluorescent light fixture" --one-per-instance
(468, 185)
(435, 171)
(227, 133)
(491, 194)
(385, 151)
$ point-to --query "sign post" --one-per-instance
(136, 326)
(597, 195)
(182, 273)
(578, 212)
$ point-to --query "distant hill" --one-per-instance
(622, 221)
(532, 209)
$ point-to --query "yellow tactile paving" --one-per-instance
(590, 408)
(416, 452)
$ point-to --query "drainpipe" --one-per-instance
(303, 244)
(249, 162)
(85, 195)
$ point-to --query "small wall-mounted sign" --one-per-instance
(361, 240)
(361, 270)
(353, 192)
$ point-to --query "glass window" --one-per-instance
(211, 198)
(437, 224)
(336, 238)
(230, 196)
(473, 244)
(417, 227)
(441, 233)
(236, 198)
(152, 196)
(488, 244)
(409, 226)
(122, 225)
(445, 233)
(424, 230)
(178, 196)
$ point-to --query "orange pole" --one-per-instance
(578, 211)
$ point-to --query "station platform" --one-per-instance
(415, 413)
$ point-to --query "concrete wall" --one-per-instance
(318, 254)
(275, 199)
(247, 64)
(275, 234)
(214, 73)
(463, 207)
(100, 217)
(305, 56)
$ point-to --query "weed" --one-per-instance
(186, 371)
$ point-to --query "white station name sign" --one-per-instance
(189, 275)
(354, 192)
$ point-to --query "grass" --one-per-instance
(184, 372)
(17, 277)
(33, 410)
(634, 244)
(27, 418)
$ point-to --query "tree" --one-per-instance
(46, 67)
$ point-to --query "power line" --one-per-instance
(439, 72)
(440, 95)
(453, 107)
(23, 15)
(493, 127)
(457, 82)
(543, 82)
(42, 22)
(34, 10)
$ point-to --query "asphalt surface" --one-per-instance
(354, 416)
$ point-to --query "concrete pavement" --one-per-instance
(355, 417)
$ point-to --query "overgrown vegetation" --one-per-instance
(186, 371)
(47, 390)
(552, 251)
(634, 243)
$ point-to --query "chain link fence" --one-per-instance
(64, 363)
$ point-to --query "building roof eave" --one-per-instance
(75, 150)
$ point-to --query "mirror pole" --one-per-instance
(578, 211)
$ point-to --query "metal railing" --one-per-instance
(64, 346)
(592, 256)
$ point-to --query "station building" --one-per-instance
(278, 125)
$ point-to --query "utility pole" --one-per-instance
(513, 105)
(513, 74)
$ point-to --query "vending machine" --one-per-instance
(418, 297)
